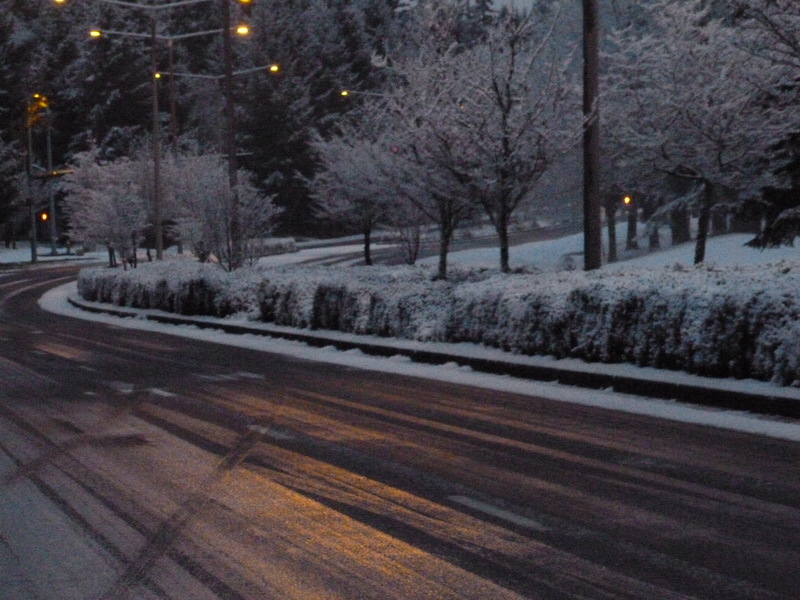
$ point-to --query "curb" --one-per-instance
(705, 395)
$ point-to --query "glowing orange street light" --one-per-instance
(627, 200)
(243, 30)
(95, 33)
(274, 68)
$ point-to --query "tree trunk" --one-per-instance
(502, 234)
(134, 256)
(630, 239)
(367, 246)
(611, 225)
(654, 241)
(679, 222)
(444, 248)
(719, 221)
(702, 224)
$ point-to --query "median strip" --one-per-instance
(728, 394)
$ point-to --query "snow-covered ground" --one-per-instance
(22, 254)
(314, 254)
(726, 250)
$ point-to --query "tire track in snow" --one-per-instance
(158, 544)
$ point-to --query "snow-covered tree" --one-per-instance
(483, 123)
(770, 29)
(105, 204)
(517, 111)
(687, 100)
(351, 187)
(205, 204)
(322, 47)
(424, 162)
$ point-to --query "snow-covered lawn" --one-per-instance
(726, 250)
(314, 254)
(22, 254)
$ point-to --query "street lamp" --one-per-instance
(345, 93)
(630, 239)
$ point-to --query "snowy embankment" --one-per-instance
(719, 321)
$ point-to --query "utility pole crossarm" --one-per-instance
(152, 7)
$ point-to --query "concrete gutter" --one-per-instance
(730, 394)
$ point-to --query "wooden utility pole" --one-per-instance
(230, 136)
(592, 241)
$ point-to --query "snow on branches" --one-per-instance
(207, 206)
(105, 204)
(111, 203)
(686, 99)
(464, 128)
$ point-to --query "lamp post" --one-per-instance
(630, 239)
(155, 37)
(230, 134)
(157, 200)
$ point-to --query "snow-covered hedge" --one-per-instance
(740, 322)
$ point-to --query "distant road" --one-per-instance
(146, 466)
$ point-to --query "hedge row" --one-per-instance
(739, 322)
